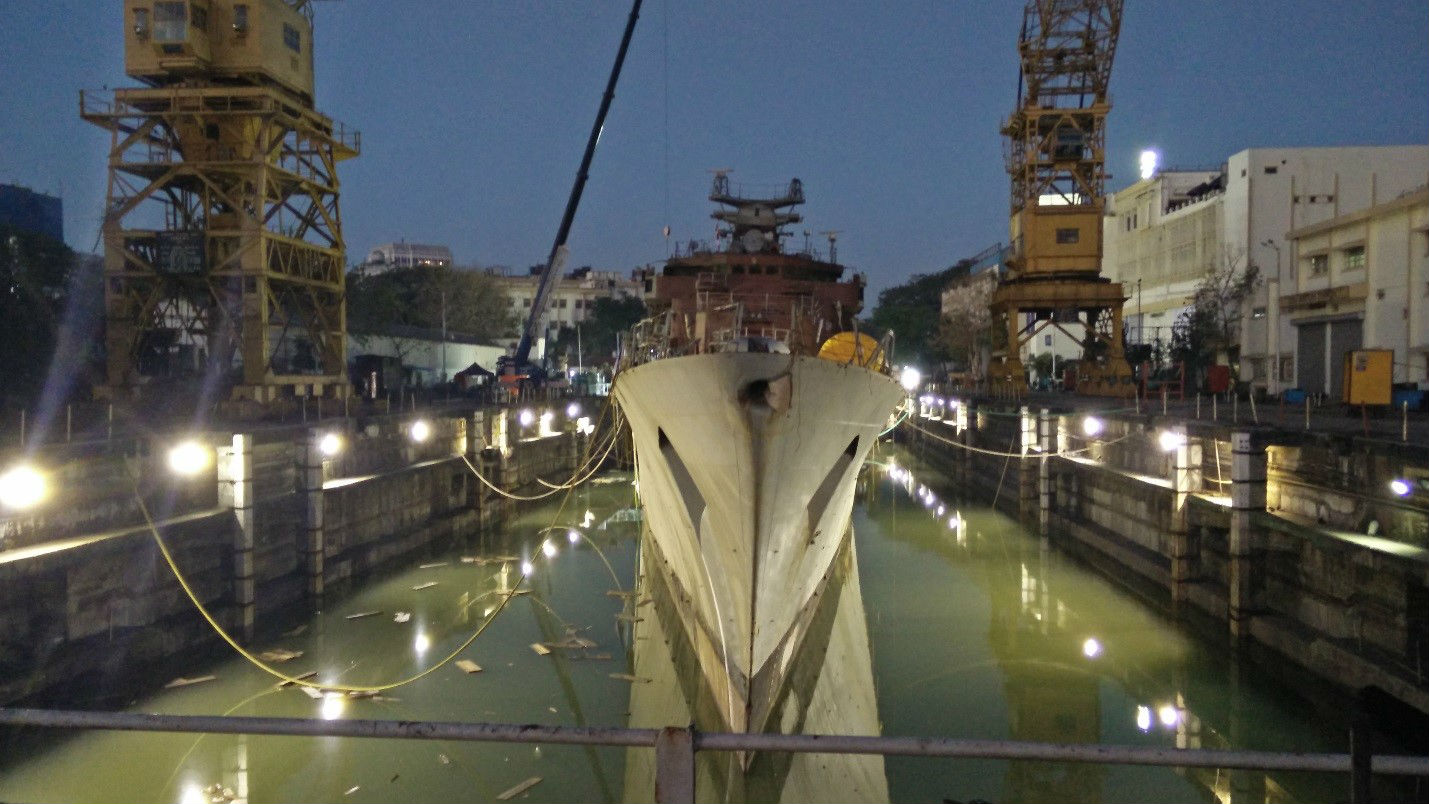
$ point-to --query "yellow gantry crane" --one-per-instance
(1056, 145)
(223, 248)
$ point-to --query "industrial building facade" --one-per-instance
(1165, 234)
(1360, 280)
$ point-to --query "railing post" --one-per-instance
(675, 766)
(1361, 755)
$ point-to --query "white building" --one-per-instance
(1163, 234)
(1360, 280)
(571, 300)
(388, 256)
(427, 359)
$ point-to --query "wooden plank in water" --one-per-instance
(630, 678)
(428, 585)
(519, 789)
(185, 682)
(433, 565)
(468, 666)
(359, 615)
(541, 650)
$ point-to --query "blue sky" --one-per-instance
(474, 112)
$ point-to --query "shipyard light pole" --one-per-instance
(1056, 148)
(223, 251)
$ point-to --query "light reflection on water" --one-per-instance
(975, 630)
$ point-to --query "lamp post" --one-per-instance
(1272, 384)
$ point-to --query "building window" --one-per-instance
(526, 302)
(1258, 312)
(1270, 170)
(200, 18)
(169, 21)
(1068, 236)
(240, 19)
(561, 304)
(1287, 367)
(1354, 258)
(1319, 264)
(292, 38)
(1046, 340)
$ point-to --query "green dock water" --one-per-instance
(976, 630)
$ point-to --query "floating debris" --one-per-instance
(401, 616)
(444, 759)
(433, 565)
(468, 666)
(553, 711)
(363, 694)
(519, 789)
(279, 655)
(185, 682)
(541, 650)
(428, 585)
(630, 678)
(303, 677)
(359, 615)
(312, 692)
(218, 794)
(470, 560)
(352, 789)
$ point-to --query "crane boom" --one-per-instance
(520, 361)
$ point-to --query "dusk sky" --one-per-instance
(473, 112)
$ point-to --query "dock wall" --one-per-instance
(261, 534)
(1291, 542)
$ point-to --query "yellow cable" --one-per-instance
(260, 664)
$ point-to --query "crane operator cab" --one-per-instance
(255, 42)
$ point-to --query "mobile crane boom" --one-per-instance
(520, 362)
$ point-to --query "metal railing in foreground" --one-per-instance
(675, 748)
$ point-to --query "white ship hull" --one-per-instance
(746, 465)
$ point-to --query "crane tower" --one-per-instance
(1055, 151)
(223, 248)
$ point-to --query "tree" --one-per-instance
(911, 311)
(607, 318)
(437, 298)
(1210, 330)
(49, 298)
(965, 329)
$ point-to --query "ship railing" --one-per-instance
(676, 748)
(648, 340)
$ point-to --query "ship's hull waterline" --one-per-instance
(746, 465)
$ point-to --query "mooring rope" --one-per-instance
(1020, 455)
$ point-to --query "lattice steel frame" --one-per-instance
(1066, 52)
(251, 173)
(1056, 146)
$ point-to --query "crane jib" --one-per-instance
(554, 263)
